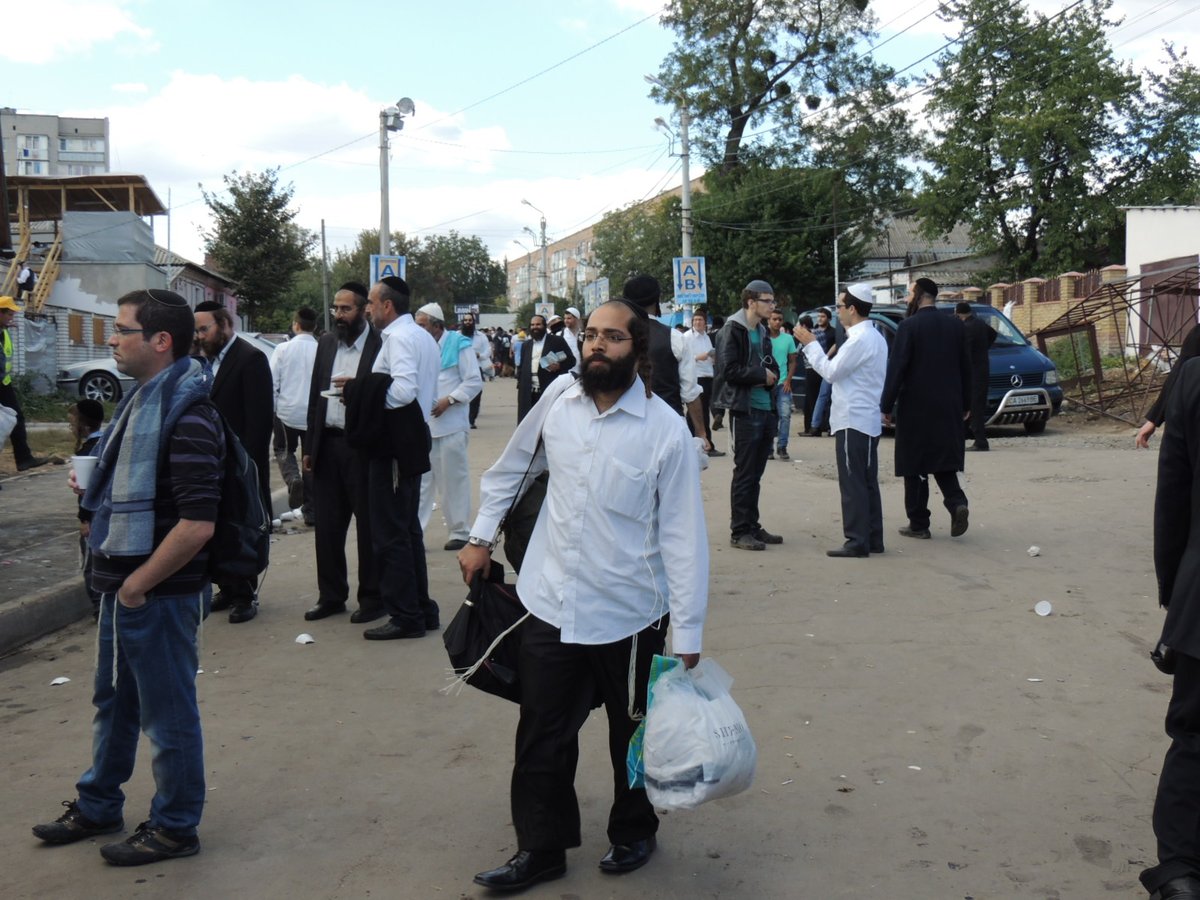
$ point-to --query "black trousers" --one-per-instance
(339, 492)
(1177, 803)
(706, 384)
(560, 684)
(20, 440)
(753, 440)
(287, 440)
(812, 387)
(858, 482)
(976, 426)
(473, 409)
(916, 496)
(399, 546)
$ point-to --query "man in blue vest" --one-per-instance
(8, 395)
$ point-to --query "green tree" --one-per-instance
(255, 240)
(641, 239)
(1026, 140)
(453, 268)
(790, 64)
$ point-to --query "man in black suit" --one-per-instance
(532, 377)
(339, 471)
(980, 336)
(243, 391)
(929, 374)
(1177, 562)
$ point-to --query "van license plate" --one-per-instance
(1024, 400)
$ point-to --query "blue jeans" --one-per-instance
(820, 418)
(783, 409)
(151, 688)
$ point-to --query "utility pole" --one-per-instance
(686, 200)
(324, 275)
(545, 273)
(390, 119)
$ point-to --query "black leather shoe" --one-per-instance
(1185, 887)
(920, 533)
(454, 544)
(714, 453)
(878, 549)
(767, 538)
(622, 858)
(32, 463)
(526, 868)
(389, 631)
(847, 552)
(243, 612)
(323, 611)
(979, 447)
(219, 602)
(361, 616)
(958, 522)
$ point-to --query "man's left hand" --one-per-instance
(441, 406)
(130, 599)
(689, 659)
(803, 335)
(887, 419)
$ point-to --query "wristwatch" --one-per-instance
(480, 542)
(451, 400)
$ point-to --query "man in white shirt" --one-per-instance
(291, 374)
(449, 476)
(481, 343)
(856, 373)
(409, 356)
(613, 551)
(571, 321)
(700, 346)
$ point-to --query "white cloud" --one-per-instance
(59, 27)
(131, 87)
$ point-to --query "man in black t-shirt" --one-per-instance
(153, 498)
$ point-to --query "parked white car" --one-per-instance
(98, 379)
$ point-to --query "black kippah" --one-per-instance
(355, 287)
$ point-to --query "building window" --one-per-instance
(32, 167)
(33, 146)
(76, 169)
(81, 145)
(75, 328)
(98, 338)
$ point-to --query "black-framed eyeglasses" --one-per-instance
(123, 331)
(770, 300)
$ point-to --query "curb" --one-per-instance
(57, 606)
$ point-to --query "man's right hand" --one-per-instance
(306, 462)
(472, 560)
(771, 378)
(1142, 438)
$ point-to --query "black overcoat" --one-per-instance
(245, 394)
(1177, 514)
(929, 386)
(525, 396)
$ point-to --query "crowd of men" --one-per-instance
(615, 410)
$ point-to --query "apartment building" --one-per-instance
(53, 145)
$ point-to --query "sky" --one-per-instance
(538, 101)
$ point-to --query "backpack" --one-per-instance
(241, 543)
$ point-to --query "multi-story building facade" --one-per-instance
(53, 145)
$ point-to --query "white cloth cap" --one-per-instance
(573, 311)
(860, 290)
(433, 311)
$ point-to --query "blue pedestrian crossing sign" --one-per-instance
(383, 266)
(691, 286)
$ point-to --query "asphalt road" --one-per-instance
(921, 732)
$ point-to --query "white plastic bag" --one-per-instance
(697, 746)
(8, 421)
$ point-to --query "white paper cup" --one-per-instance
(84, 466)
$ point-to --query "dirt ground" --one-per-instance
(921, 732)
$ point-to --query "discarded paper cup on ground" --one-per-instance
(84, 466)
(1043, 608)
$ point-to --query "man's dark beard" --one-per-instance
(537, 333)
(468, 330)
(616, 376)
(348, 332)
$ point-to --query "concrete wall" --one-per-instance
(1160, 232)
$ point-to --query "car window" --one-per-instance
(1007, 334)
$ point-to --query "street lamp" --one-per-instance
(545, 271)
(390, 119)
(685, 119)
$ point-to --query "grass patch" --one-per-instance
(47, 407)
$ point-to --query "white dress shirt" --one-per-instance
(462, 382)
(699, 342)
(621, 538)
(291, 371)
(345, 362)
(411, 356)
(857, 374)
(482, 346)
(689, 387)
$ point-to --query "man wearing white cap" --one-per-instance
(857, 373)
(458, 383)
(571, 333)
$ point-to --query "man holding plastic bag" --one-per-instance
(616, 553)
